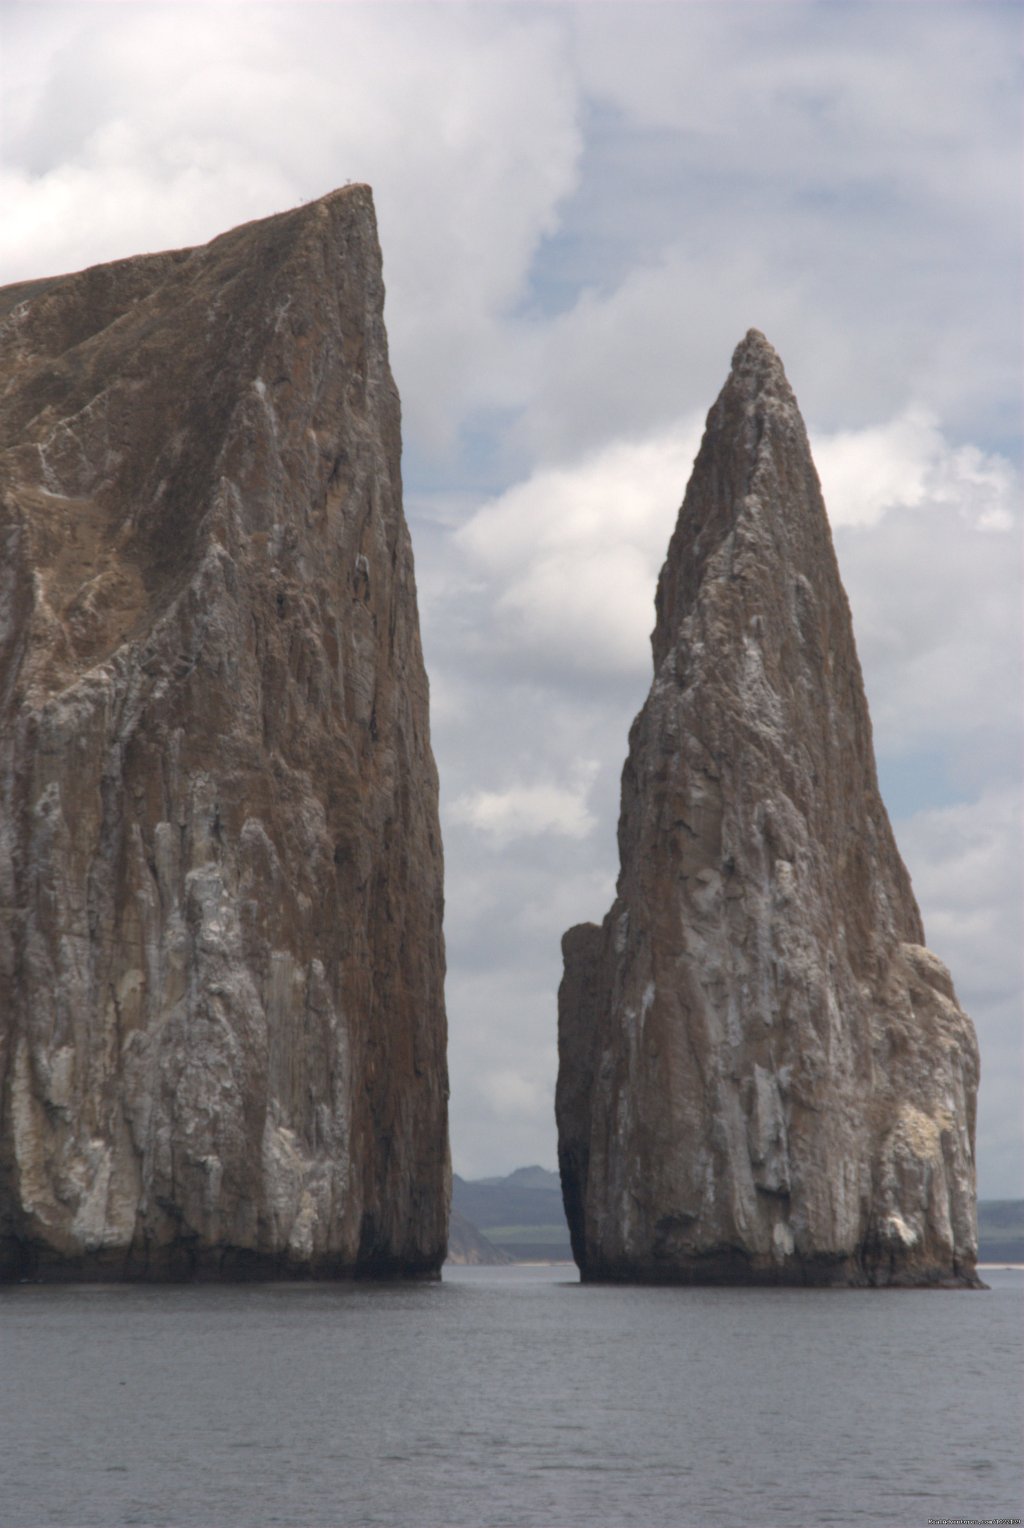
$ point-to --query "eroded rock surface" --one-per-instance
(764, 1075)
(222, 1028)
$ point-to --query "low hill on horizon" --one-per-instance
(521, 1214)
(1001, 1230)
(524, 1177)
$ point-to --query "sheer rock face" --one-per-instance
(764, 1075)
(222, 1028)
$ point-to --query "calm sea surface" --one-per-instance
(508, 1396)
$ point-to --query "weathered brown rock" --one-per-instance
(764, 1075)
(222, 1029)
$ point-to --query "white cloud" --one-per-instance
(866, 472)
(845, 180)
(654, 348)
(928, 539)
(571, 556)
(825, 97)
(527, 811)
(511, 1094)
(502, 1063)
(907, 464)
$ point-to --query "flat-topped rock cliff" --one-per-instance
(764, 1075)
(222, 1026)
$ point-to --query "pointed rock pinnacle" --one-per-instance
(763, 1074)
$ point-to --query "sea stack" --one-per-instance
(764, 1075)
(222, 1025)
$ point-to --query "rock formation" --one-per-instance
(222, 1029)
(764, 1075)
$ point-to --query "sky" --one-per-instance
(582, 209)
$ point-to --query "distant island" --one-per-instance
(516, 1219)
(1001, 1230)
(521, 1219)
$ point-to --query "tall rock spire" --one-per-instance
(222, 1027)
(764, 1076)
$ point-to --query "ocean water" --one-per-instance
(508, 1396)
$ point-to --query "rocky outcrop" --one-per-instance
(222, 1028)
(764, 1075)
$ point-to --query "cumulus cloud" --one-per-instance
(653, 348)
(932, 569)
(826, 97)
(510, 1093)
(526, 811)
(907, 463)
(572, 554)
(817, 173)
